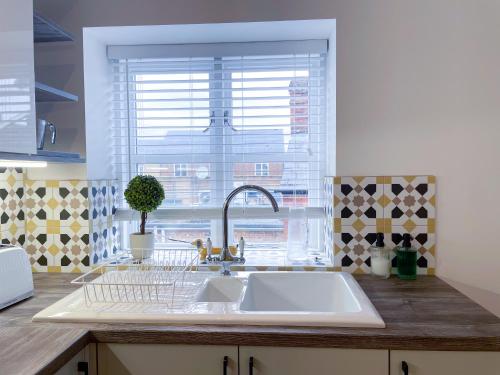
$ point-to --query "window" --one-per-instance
(262, 169)
(180, 170)
(224, 121)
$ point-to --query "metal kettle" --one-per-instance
(41, 128)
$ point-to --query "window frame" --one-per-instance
(262, 172)
(181, 170)
(224, 175)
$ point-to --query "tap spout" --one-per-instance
(226, 254)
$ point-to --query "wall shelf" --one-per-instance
(47, 31)
(46, 93)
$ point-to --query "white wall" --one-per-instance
(58, 171)
(418, 92)
(97, 81)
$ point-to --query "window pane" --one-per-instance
(204, 126)
(184, 230)
(185, 185)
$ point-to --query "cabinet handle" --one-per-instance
(404, 368)
(250, 366)
(224, 365)
(82, 367)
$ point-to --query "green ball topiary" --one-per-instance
(144, 194)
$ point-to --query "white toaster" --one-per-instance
(16, 279)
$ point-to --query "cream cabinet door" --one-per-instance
(444, 363)
(312, 361)
(137, 359)
(87, 356)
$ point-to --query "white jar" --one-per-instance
(380, 262)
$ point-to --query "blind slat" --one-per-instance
(203, 126)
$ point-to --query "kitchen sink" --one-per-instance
(322, 292)
(221, 289)
(331, 299)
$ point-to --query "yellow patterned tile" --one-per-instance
(13, 228)
(409, 178)
(409, 225)
(30, 226)
(431, 225)
(337, 180)
(432, 201)
(382, 225)
(53, 249)
(75, 226)
(336, 201)
(432, 179)
(337, 225)
(52, 183)
(53, 227)
(432, 250)
(11, 180)
(383, 200)
(358, 179)
(54, 268)
(52, 203)
(336, 249)
(358, 225)
(431, 271)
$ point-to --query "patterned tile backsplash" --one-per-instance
(64, 225)
(67, 226)
(359, 207)
(11, 206)
(103, 231)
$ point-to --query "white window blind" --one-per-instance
(205, 125)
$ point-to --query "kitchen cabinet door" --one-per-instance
(17, 77)
(444, 363)
(137, 359)
(86, 357)
(312, 361)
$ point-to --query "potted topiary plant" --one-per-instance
(143, 194)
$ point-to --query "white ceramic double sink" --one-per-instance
(256, 298)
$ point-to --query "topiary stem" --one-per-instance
(144, 216)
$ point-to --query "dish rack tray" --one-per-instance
(166, 277)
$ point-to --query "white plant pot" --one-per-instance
(142, 245)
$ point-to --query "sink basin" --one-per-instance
(221, 289)
(299, 292)
(332, 299)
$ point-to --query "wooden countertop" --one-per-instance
(426, 314)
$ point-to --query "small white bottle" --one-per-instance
(209, 248)
(241, 246)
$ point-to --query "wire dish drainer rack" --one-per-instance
(166, 277)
